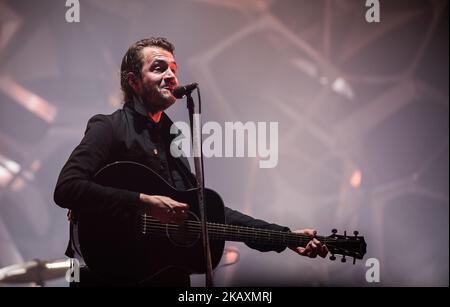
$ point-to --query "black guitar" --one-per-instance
(134, 247)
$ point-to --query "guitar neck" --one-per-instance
(353, 246)
(232, 233)
(258, 235)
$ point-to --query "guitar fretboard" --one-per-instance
(230, 233)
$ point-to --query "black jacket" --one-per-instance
(129, 134)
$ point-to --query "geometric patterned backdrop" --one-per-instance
(362, 111)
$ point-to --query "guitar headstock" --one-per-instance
(352, 246)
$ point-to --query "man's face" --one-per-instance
(158, 79)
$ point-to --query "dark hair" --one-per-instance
(133, 60)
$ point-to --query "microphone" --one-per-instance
(181, 91)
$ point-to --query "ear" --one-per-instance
(134, 82)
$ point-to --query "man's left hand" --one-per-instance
(314, 246)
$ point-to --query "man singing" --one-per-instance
(140, 132)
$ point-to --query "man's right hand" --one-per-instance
(164, 208)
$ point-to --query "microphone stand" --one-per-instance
(196, 138)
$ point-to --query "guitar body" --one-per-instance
(114, 246)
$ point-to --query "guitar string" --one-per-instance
(288, 242)
(234, 231)
(243, 231)
(250, 234)
(239, 229)
(213, 234)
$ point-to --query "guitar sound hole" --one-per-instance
(186, 234)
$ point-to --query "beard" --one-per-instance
(155, 99)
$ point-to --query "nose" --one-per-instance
(170, 78)
(169, 74)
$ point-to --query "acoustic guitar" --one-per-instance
(135, 247)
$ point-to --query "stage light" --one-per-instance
(58, 264)
(5, 176)
(30, 101)
(11, 166)
(342, 87)
(231, 255)
(355, 179)
(8, 169)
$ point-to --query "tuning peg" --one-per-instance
(343, 259)
(332, 257)
(354, 260)
(356, 233)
